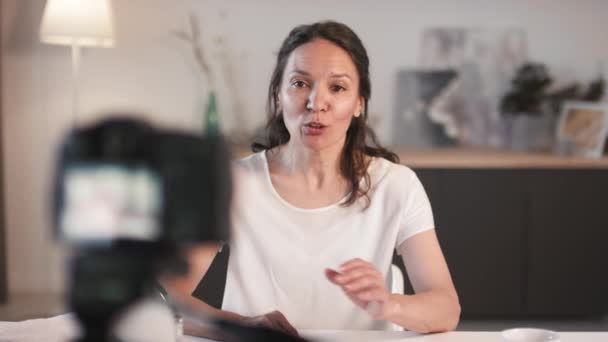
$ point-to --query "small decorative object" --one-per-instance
(593, 93)
(528, 92)
(531, 106)
(416, 122)
(582, 129)
(484, 59)
(219, 70)
(212, 125)
(524, 106)
(596, 89)
(193, 38)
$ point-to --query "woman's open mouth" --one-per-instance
(314, 128)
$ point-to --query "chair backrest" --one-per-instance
(397, 285)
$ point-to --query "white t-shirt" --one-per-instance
(278, 252)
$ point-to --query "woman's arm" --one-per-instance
(180, 290)
(433, 308)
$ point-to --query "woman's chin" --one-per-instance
(314, 142)
(321, 145)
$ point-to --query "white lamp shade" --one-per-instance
(78, 22)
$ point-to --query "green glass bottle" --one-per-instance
(211, 119)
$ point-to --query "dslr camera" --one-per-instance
(127, 197)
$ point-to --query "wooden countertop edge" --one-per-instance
(476, 158)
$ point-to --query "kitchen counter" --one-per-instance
(481, 158)
(474, 158)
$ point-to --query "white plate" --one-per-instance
(529, 335)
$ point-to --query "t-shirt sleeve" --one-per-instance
(417, 215)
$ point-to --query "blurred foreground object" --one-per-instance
(127, 199)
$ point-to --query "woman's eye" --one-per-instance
(298, 84)
(337, 88)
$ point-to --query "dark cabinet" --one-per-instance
(523, 241)
(489, 230)
(568, 255)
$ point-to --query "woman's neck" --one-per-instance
(318, 168)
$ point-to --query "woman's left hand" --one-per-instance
(364, 285)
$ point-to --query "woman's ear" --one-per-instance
(359, 109)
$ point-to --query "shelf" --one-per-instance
(470, 158)
(480, 158)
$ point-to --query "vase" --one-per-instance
(211, 124)
(531, 132)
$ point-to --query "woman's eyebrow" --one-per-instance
(340, 76)
(300, 72)
(306, 73)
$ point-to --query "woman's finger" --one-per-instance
(354, 299)
(361, 283)
(357, 273)
(352, 263)
(371, 294)
(283, 324)
(331, 275)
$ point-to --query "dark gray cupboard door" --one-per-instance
(568, 250)
(480, 224)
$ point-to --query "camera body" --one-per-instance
(127, 196)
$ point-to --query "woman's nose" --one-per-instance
(317, 100)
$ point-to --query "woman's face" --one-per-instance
(319, 95)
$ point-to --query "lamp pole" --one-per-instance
(76, 51)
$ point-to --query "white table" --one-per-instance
(406, 336)
(64, 328)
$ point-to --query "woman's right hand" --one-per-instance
(274, 320)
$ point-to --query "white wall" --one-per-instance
(150, 71)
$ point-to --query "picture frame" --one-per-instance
(582, 129)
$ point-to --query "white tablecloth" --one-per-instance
(405, 336)
(454, 336)
(64, 327)
(54, 329)
(148, 321)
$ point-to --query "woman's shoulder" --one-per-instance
(383, 170)
(394, 180)
(253, 162)
(248, 173)
(249, 170)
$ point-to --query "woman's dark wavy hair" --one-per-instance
(361, 142)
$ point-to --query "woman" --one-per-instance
(318, 210)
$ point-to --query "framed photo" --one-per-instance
(582, 128)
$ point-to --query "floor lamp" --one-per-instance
(77, 23)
